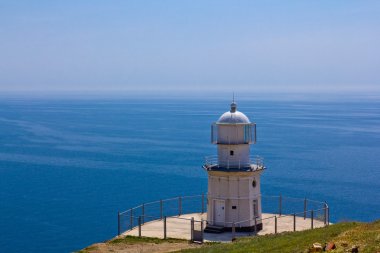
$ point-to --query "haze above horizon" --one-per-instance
(246, 46)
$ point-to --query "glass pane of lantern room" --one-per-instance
(214, 133)
(247, 133)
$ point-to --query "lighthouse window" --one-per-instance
(231, 152)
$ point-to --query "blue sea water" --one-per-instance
(68, 166)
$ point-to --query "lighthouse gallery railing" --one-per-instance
(279, 207)
(254, 160)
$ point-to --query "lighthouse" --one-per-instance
(234, 198)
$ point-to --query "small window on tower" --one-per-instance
(231, 152)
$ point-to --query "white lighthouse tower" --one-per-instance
(233, 175)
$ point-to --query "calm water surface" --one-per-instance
(68, 166)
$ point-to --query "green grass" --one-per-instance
(135, 240)
(344, 235)
(129, 240)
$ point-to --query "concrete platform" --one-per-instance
(180, 227)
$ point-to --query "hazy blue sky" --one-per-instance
(184, 45)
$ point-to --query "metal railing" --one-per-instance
(212, 161)
(158, 210)
(302, 213)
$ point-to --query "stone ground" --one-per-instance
(179, 227)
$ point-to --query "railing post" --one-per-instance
(202, 229)
(233, 231)
(139, 226)
(275, 224)
(280, 205)
(255, 225)
(131, 218)
(312, 219)
(161, 209)
(294, 222)
(203, 203)
(192, 229)
(328, 216)
(143, 212)
(304, 208)
(164, 227)
(325, 214)
(179, 206)
(118, 223)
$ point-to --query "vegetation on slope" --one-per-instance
(128, 242)
(344, 235)
(133, 240)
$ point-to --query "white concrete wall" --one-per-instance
(240, 155)
(236, 190)
(255, 194)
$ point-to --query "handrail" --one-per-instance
(137, 216)
(213, 160)
(142, 214)
(206, 195)
(228, 222)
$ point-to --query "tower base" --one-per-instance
(211, 229)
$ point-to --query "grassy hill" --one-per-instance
(344, 235)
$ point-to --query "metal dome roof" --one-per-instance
(233, 117)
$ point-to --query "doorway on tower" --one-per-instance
(255, 209)
(220, 212)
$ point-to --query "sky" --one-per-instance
(187, 45)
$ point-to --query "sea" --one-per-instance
(68, 165)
